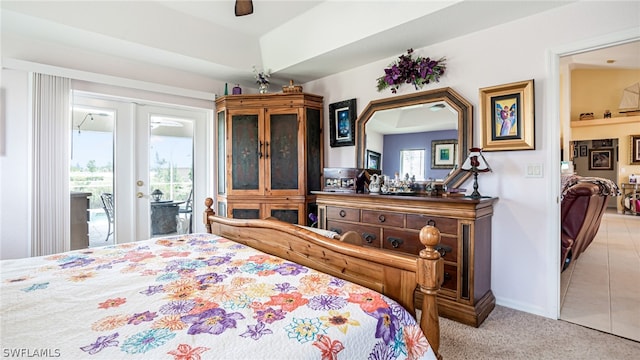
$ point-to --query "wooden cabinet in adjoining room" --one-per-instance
(270, 155)
(79, 207)
(394, 223)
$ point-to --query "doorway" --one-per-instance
(592, 292)
(135, 168)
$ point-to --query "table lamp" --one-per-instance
(475, 163)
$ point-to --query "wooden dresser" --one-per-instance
(394, 222)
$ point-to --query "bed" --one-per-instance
(247, 289)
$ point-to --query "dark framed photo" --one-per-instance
(508, 117)
(635, 149)
(342, 121)
(600, 159)
(443, 154)
(583, 150)
(374, 160)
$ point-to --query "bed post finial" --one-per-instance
(430, 276)
(208, 202)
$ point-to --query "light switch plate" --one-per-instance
(533, 171)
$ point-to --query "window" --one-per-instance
(412, 163)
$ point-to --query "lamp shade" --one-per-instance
(475, 161)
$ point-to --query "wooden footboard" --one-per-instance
(396, 275)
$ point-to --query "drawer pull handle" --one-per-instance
(381, 218)
(431, 222)
(368, 237)
(395, 242)
(338, 231)
(343, 213)
(447, 276)
(443, 250)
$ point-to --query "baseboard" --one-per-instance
(516, 305)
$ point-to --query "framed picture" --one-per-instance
(342, 121)
(507, 113)
(374, 160)
(583, 150)
(602, 143)
(443, 153)
(635, 149)
(600, 159)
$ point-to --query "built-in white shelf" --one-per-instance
(609, 121)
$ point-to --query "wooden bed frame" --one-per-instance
(396, 275)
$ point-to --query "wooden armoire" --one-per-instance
(270, 155)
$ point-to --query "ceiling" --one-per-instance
(299, 40)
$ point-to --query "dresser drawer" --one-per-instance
(449, 246)
(386, 218)
(450, 277)
(445, 225)
(401, 240)
(370, 234)
(340, 213)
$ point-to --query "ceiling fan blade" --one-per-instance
(244, 7)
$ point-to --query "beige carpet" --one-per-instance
(511, 334)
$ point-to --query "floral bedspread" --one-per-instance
(194, 297)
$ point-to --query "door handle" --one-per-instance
(139, 195)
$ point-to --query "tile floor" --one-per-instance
(601, 290)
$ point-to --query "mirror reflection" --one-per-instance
(425, 135)
(403, 136)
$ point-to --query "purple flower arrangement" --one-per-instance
(407, 70)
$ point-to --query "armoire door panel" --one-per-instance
(246, 152)
(283, 151)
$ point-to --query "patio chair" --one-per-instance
(187, 210)
(107, 205)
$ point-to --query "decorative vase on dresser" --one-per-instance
(393, 222)
(270, 155)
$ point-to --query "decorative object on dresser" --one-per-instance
(270, 155)
(342, 117)
(508, 116)
(475, 163)
(347, 179)
(393, 223)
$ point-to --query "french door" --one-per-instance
(149, 160)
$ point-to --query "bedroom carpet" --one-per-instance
(513, 335)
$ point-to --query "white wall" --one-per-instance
(525, 248)
(14, 167)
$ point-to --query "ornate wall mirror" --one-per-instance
(431, 114)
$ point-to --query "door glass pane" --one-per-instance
(171, 175)
(91, 178)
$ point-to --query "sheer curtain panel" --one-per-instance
(51, 132)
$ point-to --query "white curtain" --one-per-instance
(51, 132)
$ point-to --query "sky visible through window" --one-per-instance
(98, 146)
